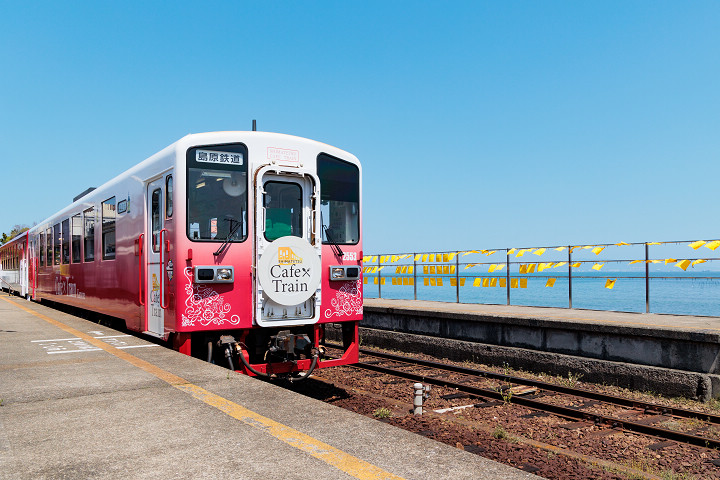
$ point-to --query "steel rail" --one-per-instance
(579, 392)
(566, 412)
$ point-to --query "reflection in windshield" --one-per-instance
(217, 199)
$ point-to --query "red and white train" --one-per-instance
(242, 245)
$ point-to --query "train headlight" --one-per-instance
(338, 272)
(224, 274)
(213, 274)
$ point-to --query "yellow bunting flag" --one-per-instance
(383, 258)
(439, 282)
(698, 244)
(539, 251)
(576, 264)
(398, 269)
(470, 265)
(394, 281)
(462, 282)
(683, 264)
(394, 258)
(653, 261)
(493, 282)
(365, 280)
(432, 269)
(382, 281)
(550, 282)
(411, 269)
(433, 282)
(598, 266)
(597, 250)
(621, 244)
(453, 282)
(713, 245)
(425, 258)
(432, 257)
(452, 269)
(379, 268)
(445, 258)
(523, 268)
(374, 259)
(404, 269)
(635, 261)
(698, 262)
(588, 247)
(523, 283)
(513, 283)
(610, 283)
(426, 281)
(418, 257)
(543, 266)
(376, 281)
(486, 282)
(511, 251)
(502, 283)
(477, 282)
(490, 252)
(573, 248)
(365, 259)
(451, 256)
(499, 266)
(445, 269)
(425, 269)
(469, 252)
(559, 264)
(559, 249)
(491, 268)
(654, 243)
(531, 268)
(670, 260)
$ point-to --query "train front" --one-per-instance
(272, 251)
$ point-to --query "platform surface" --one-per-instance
(79, 400)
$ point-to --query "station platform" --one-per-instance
(674, 355)
(80, 400)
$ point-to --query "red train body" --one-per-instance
(236, 246)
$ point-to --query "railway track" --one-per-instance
(550, 398)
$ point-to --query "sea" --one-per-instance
(679, 293)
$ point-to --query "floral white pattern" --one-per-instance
(204, 305)
(347, 301)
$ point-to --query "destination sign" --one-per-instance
(210, 156)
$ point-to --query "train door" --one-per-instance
(287, 248)
(156, 255)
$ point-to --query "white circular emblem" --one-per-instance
(289, 270)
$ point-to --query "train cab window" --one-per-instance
(57, 235)
(217, 197)
(89, 230)
(339, 200)
(76, 238)
(49, 247)
(66, 241)
(108, 229)
(168, 196)
(283, 210)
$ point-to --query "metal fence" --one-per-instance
(648, 271)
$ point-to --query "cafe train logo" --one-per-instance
(287, 257)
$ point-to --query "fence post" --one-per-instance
(415, 275)
(379, 277)
(647, 278)
(507, 273)
(457, 276)
(569, 276)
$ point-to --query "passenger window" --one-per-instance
(89, 220)
(56, 244)
(77, 238)
(42, 249)
(283, 210)
(168, 196)
(48, 247)
(108, 228)
(66, 242)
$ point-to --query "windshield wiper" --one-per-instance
(335, 247)
(234, 229)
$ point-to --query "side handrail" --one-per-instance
(164, 249)
(141, 277)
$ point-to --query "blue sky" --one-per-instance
(479, 124)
